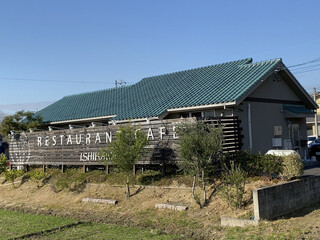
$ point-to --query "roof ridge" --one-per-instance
(97, 91)
(192, 69)
(261, 62)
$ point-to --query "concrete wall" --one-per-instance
(278, 200)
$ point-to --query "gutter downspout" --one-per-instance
(249, 126)
(315, 116)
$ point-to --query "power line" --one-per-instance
(306, 67)
(305, 71)
(47, 80)
(304, 63)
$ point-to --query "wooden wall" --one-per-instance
(63, 147)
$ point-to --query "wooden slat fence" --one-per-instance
(80, 146)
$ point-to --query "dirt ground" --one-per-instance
(139, 210)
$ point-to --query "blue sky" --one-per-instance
(98, 42)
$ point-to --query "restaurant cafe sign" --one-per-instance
(79, 144)
(94, 138)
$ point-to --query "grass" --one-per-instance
(138, 211)
(75, 180)
(16, 224)
(103, 231)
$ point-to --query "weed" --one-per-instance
(234, 183)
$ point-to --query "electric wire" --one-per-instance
(299, 68)
(304, 67)
(304, 63)
(47, 80)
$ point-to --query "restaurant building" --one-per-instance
(260, 105)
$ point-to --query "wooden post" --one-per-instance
(134, 169)
(84, 168)
(164, 169)
(62, 168)
(107, 169)
(43, 168)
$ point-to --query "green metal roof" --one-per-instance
(152, 96)
(297, 109)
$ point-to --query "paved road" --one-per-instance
(312, 170)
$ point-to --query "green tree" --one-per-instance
(20, 121)
(200, 145)
(3, 163)
(2, 115)
(125, 150)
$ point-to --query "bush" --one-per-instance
(3, 163)
(38, 176)
(292, 167)
(249, 162)
(271, 165)
(11, 175)
(234, 184)
(255, 164)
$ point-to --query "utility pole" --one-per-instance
(315, 116)
(120, 82)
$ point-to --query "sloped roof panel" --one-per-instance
(152, 96)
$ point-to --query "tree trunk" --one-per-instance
(194, 185)
(204, 189)
(127, 187)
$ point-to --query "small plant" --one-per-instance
(3, 163)
(292, 167)
(37, 176)
(12, 175)
(234, 185)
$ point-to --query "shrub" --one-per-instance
(249, 162)
(255, 164)
(3, 163)
(37, 176)
(271, 165)
(292, 167)
(234, 184)
(11, 175)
